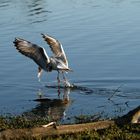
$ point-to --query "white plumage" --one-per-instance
(56, 62)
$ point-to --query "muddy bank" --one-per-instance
(123, 125)
(51, 131)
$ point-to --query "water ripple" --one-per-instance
(101, 40)
(4, 3)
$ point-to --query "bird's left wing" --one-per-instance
(33, 51)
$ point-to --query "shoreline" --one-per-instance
(123, 125)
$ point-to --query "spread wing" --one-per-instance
(56, 48)
(38, 54)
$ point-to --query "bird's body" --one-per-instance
(56, 62)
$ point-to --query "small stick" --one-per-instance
(50, 124)
(115, 92)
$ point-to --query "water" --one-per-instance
(101, 40)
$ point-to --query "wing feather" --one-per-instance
(56, 48)
(33, 51)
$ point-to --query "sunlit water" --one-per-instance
(102, 43)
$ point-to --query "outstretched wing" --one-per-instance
(56, 48)
(38, 54)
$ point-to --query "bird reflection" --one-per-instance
(53, 109)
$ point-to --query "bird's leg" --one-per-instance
(39, 73)
(58, 91)
(66, 97)
(66, 82)
(58, 80)
(64, 76)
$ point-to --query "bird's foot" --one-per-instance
(67, 84)
(40, 94)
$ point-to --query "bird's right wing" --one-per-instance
(56, 48)
(38, 54)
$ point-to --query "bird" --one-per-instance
(58, 62)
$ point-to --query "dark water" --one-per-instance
(102, 43)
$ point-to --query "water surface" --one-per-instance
(101, 40)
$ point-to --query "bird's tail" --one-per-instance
(68, 70)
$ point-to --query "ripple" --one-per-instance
(38, 11)
(4, 4)
(102, 43)
(38, 15)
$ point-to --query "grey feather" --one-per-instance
(56, 48)
(32, 51)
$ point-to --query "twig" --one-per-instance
(115, 92)
(50, 124)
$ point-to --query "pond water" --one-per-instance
(102, 43)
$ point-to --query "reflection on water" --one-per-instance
(53, 109)
(56, 109)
